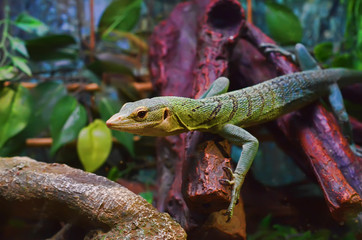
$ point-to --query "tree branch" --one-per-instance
(81, 198)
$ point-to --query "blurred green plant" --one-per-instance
(148, 195)
(15, 110)
(267, 231)
(107, 108)
(347, 54)
(114, 173)
(121, 15)
(94, 145)
(48, 109)
(67, 120)
(13, 52)
(283, 25)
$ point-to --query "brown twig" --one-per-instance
(250, 11)
(91, 87)
(92, 32)
(47, 142)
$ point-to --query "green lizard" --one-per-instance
(227, 113)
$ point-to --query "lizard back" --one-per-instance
(259, 103)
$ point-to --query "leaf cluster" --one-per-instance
(269, 231)
(347, 54)
(14, 53)
(49, 109)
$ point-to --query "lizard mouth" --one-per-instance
(120, 123)
(115, 121)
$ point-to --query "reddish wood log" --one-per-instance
(205, 194)
(219, 29)
(357, 130)
(331, 159)
(189, 51)
(172, 57)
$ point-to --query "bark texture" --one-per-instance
(33, 189)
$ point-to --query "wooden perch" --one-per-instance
(79, 197)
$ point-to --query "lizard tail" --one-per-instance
(348, 77)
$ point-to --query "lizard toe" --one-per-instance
(229, 172)
(226, 182)
(230, 180)
(273, 48)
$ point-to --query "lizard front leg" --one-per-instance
(249, 143)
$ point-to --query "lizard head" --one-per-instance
(148, 117)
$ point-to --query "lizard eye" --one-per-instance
(142, 114)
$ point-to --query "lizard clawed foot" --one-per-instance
(235, 180)
(270, 47)
(230, 175)
(228, 214)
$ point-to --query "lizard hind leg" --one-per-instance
(272, 48)
(335, 99)
(337, 105)
(219, 86)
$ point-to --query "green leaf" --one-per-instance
(284, 230)
(94, 145)
(148, 196)
(15, 145)
(7, 72)
(45, 96)
(265, 222)
(21, 64)
(283, 24)
(90, 76)
(323, 51)
(15, 109)
(66, 121)
(113, 174)
(107, 108)
(52, 47)
(344, 60)
(105, 66)
(18, 45)
(30, 24)
(121, 15)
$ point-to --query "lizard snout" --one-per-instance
(114, 120)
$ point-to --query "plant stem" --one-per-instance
(5, 33)
(92, 42)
